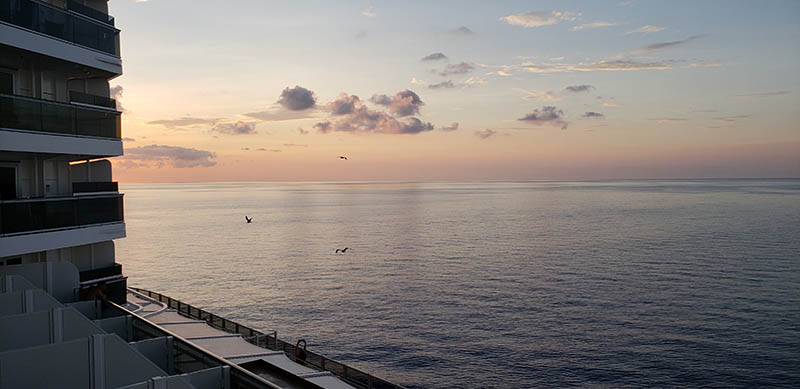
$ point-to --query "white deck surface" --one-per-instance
(229, 346)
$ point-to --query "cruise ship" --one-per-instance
(67, 316)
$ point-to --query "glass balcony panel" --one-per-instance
(42, 214)
(21, 114)
(25, 113)
(58, 119)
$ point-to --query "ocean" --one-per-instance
(493, 284)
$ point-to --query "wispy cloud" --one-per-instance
(615, 65)
(547, 115)
(667, 120)
(186, 121)
(665, 45)
(537, 95)
(645, 29)
(458, 68)
(369, 12)
(592, 25)
(294, 145)
(463, 30)
(485, 134)
(237, 128)
(279, 114)
(732, 118)
(451, 127)
(591, 114)
(538, 19)
(579, 88)
(126, 139)
(765, 94)
(442, 85)
(163, 155)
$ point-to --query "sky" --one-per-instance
(252, 90)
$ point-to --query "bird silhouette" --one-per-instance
(248, 219)
(343, 157)
(342, 250)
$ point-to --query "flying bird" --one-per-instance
(343, 157)
(342, 250)
(248, 219)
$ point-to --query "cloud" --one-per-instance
(593, 115)
(547, 115)
(126, 139)
(442, 85)
(185, 121)
(451, 127)
(579, 88)
(405, 103)
(534, 95)
(302, 131)
(297, 98)
(115, 92)
(343, 104)
(484, 134)
(175, 156)
(593, 25)
(665, 45)
(610, 105)
(705, 64)
(603, 65)
(361, 119)
(294, 145)
(766, 94)
(474, 81)
(667, 120)
(380, 99)
(458, 68)
(369, 12)
(732, 118)
(245, 148)
(645, 29)
(238, 128)
(278, 114)
(538, 19)
(434, 57)
(463, 30)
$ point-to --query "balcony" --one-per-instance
(87, 99)
(81, 26)
(23, 216)
(93, 187)
(25, 113)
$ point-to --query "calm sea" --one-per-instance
(507, 284)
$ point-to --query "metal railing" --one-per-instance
(352, 376)
(86, 98)
(26, 113)
(62, 24)
(95, 186)
(59, 212)
(74, 6)
(187, 356)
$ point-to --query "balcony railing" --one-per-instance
(85, 98)
(25, 113)
(62, 24)
(58, 212)
(89, 187)
(90, 12)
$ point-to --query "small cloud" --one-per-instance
(534, 95)
(579, 88)
(732, 118)
(557, 59)
(302, 131)
(405, 103)
(765, 94)
(343, 104)
(705, 64)
(185, 121)
(238, 128)
(665, 45)
(369, 12)
(474, 81)
(294, 145)
(547, 115)
(297, 98)
(115, 92)
(485, 134)
(503, 73)
(458, 68)
(126, 139)
(610, 105)
(442, 85)
(382, 99)
(463, 30)
(245, 148)
(593, 115)
(415, 81)
(451, 127)
(434, 57)
(593, 25)
(538, 19)
(645, 29)
(175, 156)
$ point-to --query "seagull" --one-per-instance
(343, 157)
(248, 219)
(342, 250)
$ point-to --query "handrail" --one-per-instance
(240, 377)
(63, 104)
(352, 376)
